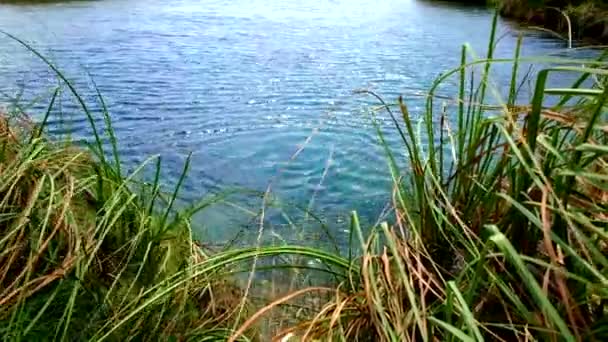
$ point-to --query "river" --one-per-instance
(260, 91)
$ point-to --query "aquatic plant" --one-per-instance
(500, 229)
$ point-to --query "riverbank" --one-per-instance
(499, 231)
(587, 20)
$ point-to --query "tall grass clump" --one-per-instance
(89, 253)
(501, 216)
(85, 257)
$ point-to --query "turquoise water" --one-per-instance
(261, 91)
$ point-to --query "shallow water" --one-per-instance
(260, 91)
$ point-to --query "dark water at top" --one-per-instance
(245, 85)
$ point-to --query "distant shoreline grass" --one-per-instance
(501, 231)
(579, 20)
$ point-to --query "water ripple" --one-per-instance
(244, 84)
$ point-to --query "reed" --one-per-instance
(500, 229)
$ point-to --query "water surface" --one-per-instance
(260, 91)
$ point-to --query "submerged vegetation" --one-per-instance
(500, 231)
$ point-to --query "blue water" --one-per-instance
(260, 91)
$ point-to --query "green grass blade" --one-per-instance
(461, 335)
(530, 282)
